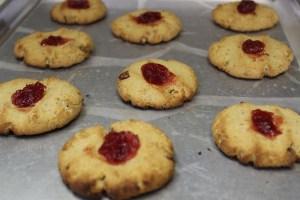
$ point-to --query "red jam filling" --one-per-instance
(148, 17)
(119, 147)
(255, 47)
(246, 7)
(78, 4)
(265, 123)
(54, 41)
(29, 95)
(157, 74)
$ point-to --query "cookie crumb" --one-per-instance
(124, 75)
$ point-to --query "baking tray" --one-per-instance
(11, 13)
(29, 164)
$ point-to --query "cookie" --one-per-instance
(147, 26)
(265, 135)
(158, 84)
(31, 107)
(130, 160)
(57, 49)
(245, 16)
(78, 11)
(250, 57)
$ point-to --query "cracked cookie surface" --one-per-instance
(56, 49)
(88, 173)
(234, 133)
(60, 104)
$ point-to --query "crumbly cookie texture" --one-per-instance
(234, 134)
(88, 174)
(136, 90)
(228, 56)
(227, 16)
(76, 49)
(66, 15)
(61, 103)
(165, 29)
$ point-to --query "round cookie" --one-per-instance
(228, 16)
(78, 11)
(88, 173)
(265, 135)
(147, 26)
(155, 83)
(27, 109)
(229, 55)
(57, 49)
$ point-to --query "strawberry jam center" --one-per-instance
(265, 123)
(29, 95)
(78, 4)
(119, 147)
(157, 74)
(246, 7)
(148, 17)
(255, 47)
(54, 41)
